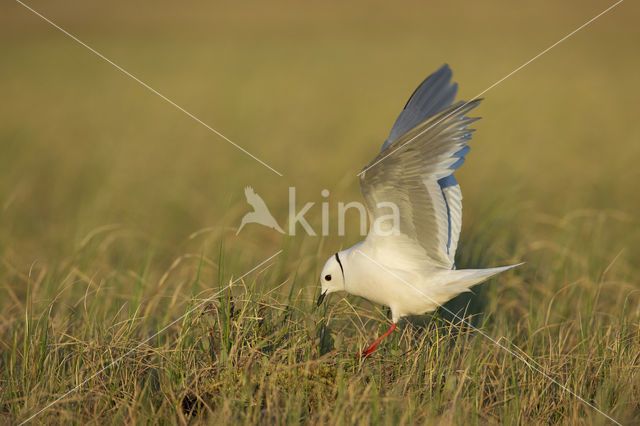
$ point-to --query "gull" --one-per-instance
(260, 213)
(408, 264)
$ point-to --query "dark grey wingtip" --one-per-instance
(434, 95)
(441, 79)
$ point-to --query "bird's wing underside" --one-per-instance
(434, 94)
(415, 172)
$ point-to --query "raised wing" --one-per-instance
(415, 172)
(433, 95)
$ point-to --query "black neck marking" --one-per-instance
(341, 268)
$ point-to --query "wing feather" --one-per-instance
(433, 95)
(415, 173)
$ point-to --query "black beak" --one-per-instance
(321, 298)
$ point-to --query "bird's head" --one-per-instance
(332, 277)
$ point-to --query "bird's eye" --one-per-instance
(327, 277)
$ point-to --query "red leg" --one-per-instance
(375, 343)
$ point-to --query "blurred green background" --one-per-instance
(312, 89)
(101, 181)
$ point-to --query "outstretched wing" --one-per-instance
(433, 95)
(415, 172)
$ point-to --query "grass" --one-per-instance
(118, 216)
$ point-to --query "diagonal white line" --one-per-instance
(496, 342)
(145, 85)
(494, 84)
(129, 352)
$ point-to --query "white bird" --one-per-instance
(260, 213)
(412, 271)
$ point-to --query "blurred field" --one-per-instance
(118, 213)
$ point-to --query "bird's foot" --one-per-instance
(368, 351)
(374, 345)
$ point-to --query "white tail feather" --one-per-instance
(461, 280)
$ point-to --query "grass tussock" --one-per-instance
(261, 351)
